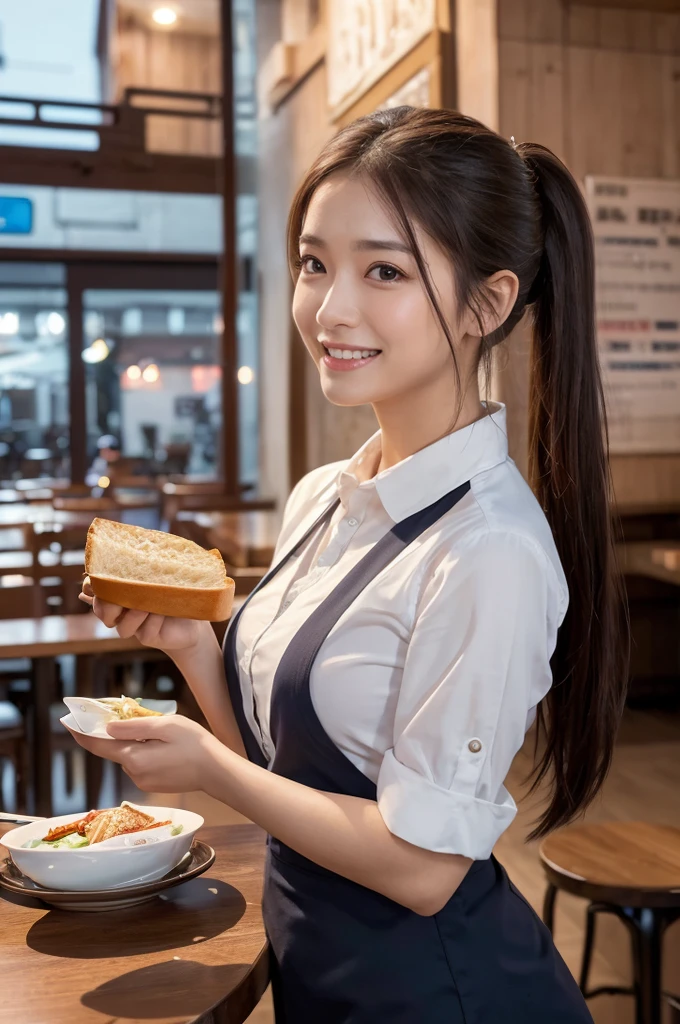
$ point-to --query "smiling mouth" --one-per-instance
(348, 353)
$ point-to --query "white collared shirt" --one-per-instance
(429, 681)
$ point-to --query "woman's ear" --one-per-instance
(499, 295)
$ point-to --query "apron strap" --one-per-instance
(250, 742)
(297, 660)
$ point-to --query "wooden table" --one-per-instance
(243, 538)
(658, 559)
(199, 955)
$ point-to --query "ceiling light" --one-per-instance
(245, 375)
(9, 323)
(97, 351)
(151, 373)
(133, 372)
(164, 16)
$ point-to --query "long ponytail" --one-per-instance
(569, 471)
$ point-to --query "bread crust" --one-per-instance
(210, 604)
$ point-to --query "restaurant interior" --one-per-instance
(151, 373)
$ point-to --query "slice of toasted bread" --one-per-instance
(156, 572)
(117, 821)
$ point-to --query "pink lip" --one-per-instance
(346, 364)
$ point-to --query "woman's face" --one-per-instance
(359, 294)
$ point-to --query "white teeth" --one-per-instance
(345, 353)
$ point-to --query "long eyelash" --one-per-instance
(297, 262)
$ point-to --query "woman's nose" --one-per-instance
(338, 309)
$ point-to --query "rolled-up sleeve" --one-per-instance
(478, 662)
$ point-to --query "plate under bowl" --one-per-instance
(200, 858)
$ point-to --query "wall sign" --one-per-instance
(16, 215)
(368, 37)
(636, 224)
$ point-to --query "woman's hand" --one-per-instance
(159, 631)
(174, 757)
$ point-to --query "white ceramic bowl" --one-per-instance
(107, 865)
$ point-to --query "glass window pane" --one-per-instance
(153, 380)
(34, 374)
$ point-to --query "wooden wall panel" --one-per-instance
(171, 60)
(600, 86)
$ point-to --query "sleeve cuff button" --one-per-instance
(474, 746)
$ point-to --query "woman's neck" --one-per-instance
(408, 428)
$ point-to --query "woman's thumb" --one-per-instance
(135, 729)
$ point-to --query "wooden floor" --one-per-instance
(644, 784)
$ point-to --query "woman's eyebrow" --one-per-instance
(361, 245)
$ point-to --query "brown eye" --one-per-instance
(310, 265)
(385, 272)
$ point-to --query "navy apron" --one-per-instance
(341, 953)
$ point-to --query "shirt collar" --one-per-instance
(424, 477)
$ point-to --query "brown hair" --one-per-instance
(492, 206)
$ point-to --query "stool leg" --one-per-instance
(647, 951)
(587, 948)
(549, 907)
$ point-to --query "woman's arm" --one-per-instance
(202, 666)
(342, 833)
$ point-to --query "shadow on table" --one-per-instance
(178, 988)
(189, 914)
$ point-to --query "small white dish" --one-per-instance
(92, 716)
(121, 861)
(98, 732)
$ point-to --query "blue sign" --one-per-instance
(16, 215)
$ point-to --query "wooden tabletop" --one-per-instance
(60, 634)
(659, 559)
(168, 961)
(22, 514)
(65, 634)
(630, 863)
(243, 538)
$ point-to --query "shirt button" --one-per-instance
(352, 522)
(474, 746)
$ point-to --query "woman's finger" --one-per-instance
(86, 599)
(149, 632)
(130, 623)
(110, 614)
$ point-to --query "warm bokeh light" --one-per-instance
(97, 351)
(133, 372)
(151, 373)
(245, 375)
(103, 482)
(164, 16)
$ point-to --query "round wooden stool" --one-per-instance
(630, 869)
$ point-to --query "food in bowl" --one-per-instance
(128, 707)
(92, 716)
(128, 858)
(99, 827)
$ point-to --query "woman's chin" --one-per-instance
(344, 395)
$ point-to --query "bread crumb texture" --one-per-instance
(124, 552)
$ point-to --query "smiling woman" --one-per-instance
(385, 672)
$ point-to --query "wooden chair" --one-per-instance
(13, 748)
(630, 869)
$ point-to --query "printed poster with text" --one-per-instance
(636, 224)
